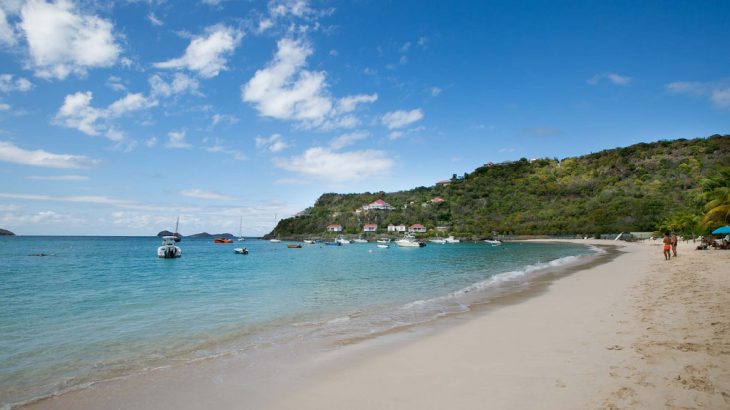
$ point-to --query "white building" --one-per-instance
(334, 228)
(378, 205)
(370, 228)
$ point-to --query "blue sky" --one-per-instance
(116, 117)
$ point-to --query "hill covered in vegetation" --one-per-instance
(637, 188)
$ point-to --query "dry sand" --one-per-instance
(636, 332)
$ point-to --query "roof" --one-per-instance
(417, 226)
(333, 225)
(368, 225)
(391, 225)
(437, 200)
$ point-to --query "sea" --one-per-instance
(97, 308)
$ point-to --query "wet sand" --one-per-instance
(633, 332)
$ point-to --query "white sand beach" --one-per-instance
(635, 332)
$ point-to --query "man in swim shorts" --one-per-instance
(667, 246)
(674, 244)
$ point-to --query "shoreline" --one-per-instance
(367, 368)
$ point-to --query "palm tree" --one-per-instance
(718, 208)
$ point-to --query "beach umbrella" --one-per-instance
(721, 230)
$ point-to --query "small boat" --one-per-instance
(240, 251)
(409, 241)
(310, 241)
(383, 245)
(274, 240)
(335, 243)
(451, 239)
(294, 246)
(383, 240)
(437, 240)
(343, 240)
(168, 249)
(222, 240)
(360, 240)
(493, 242)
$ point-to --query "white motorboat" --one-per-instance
(383, 240)
(274, 240)
(493, 242)
(451, 239)
(168, 249)
(343, 240)
(440, 241)
(309, 241)
(240, 251)
(409, 241)
(360, 240)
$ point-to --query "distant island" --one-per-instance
(5, 232)
(168, 233)
(207, 235)
(641, 188)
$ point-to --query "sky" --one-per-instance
(118, 117)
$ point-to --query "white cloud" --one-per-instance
(58, 177)
(115, 83)
(129, 103)
(323, 163)
(45, 217)
(176, 139)
(217, 147)
(77, 112)
(62, 41)
(274, 143)
(717, 93)
(7, 35)
(207, 54)
(349, 103)
(284, 90)
(435, 91)
(7, 84)
(150, 142)
(83, 199)
(12, 153)
(345, 140)
(154, 20)
(4, 107)
(612, 77)
(396, 135)
(201, 194)
(180, 83)
(399, 119)
(281, 8)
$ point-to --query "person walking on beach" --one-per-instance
(667, 246)
(674, 244)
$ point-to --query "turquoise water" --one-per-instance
(103, 307)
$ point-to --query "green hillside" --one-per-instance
(625, 189)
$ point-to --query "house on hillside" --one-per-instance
(396, 228)
(334, 228)
(417, 228)
(445, 182)
(378, 205)
(437, 200)
(370, 228)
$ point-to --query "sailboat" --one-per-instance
(177, 235)
(240, 231)
(275, 240)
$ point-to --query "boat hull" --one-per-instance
(241, 251)
(169, 252)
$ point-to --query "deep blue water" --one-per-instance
(101, 307)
